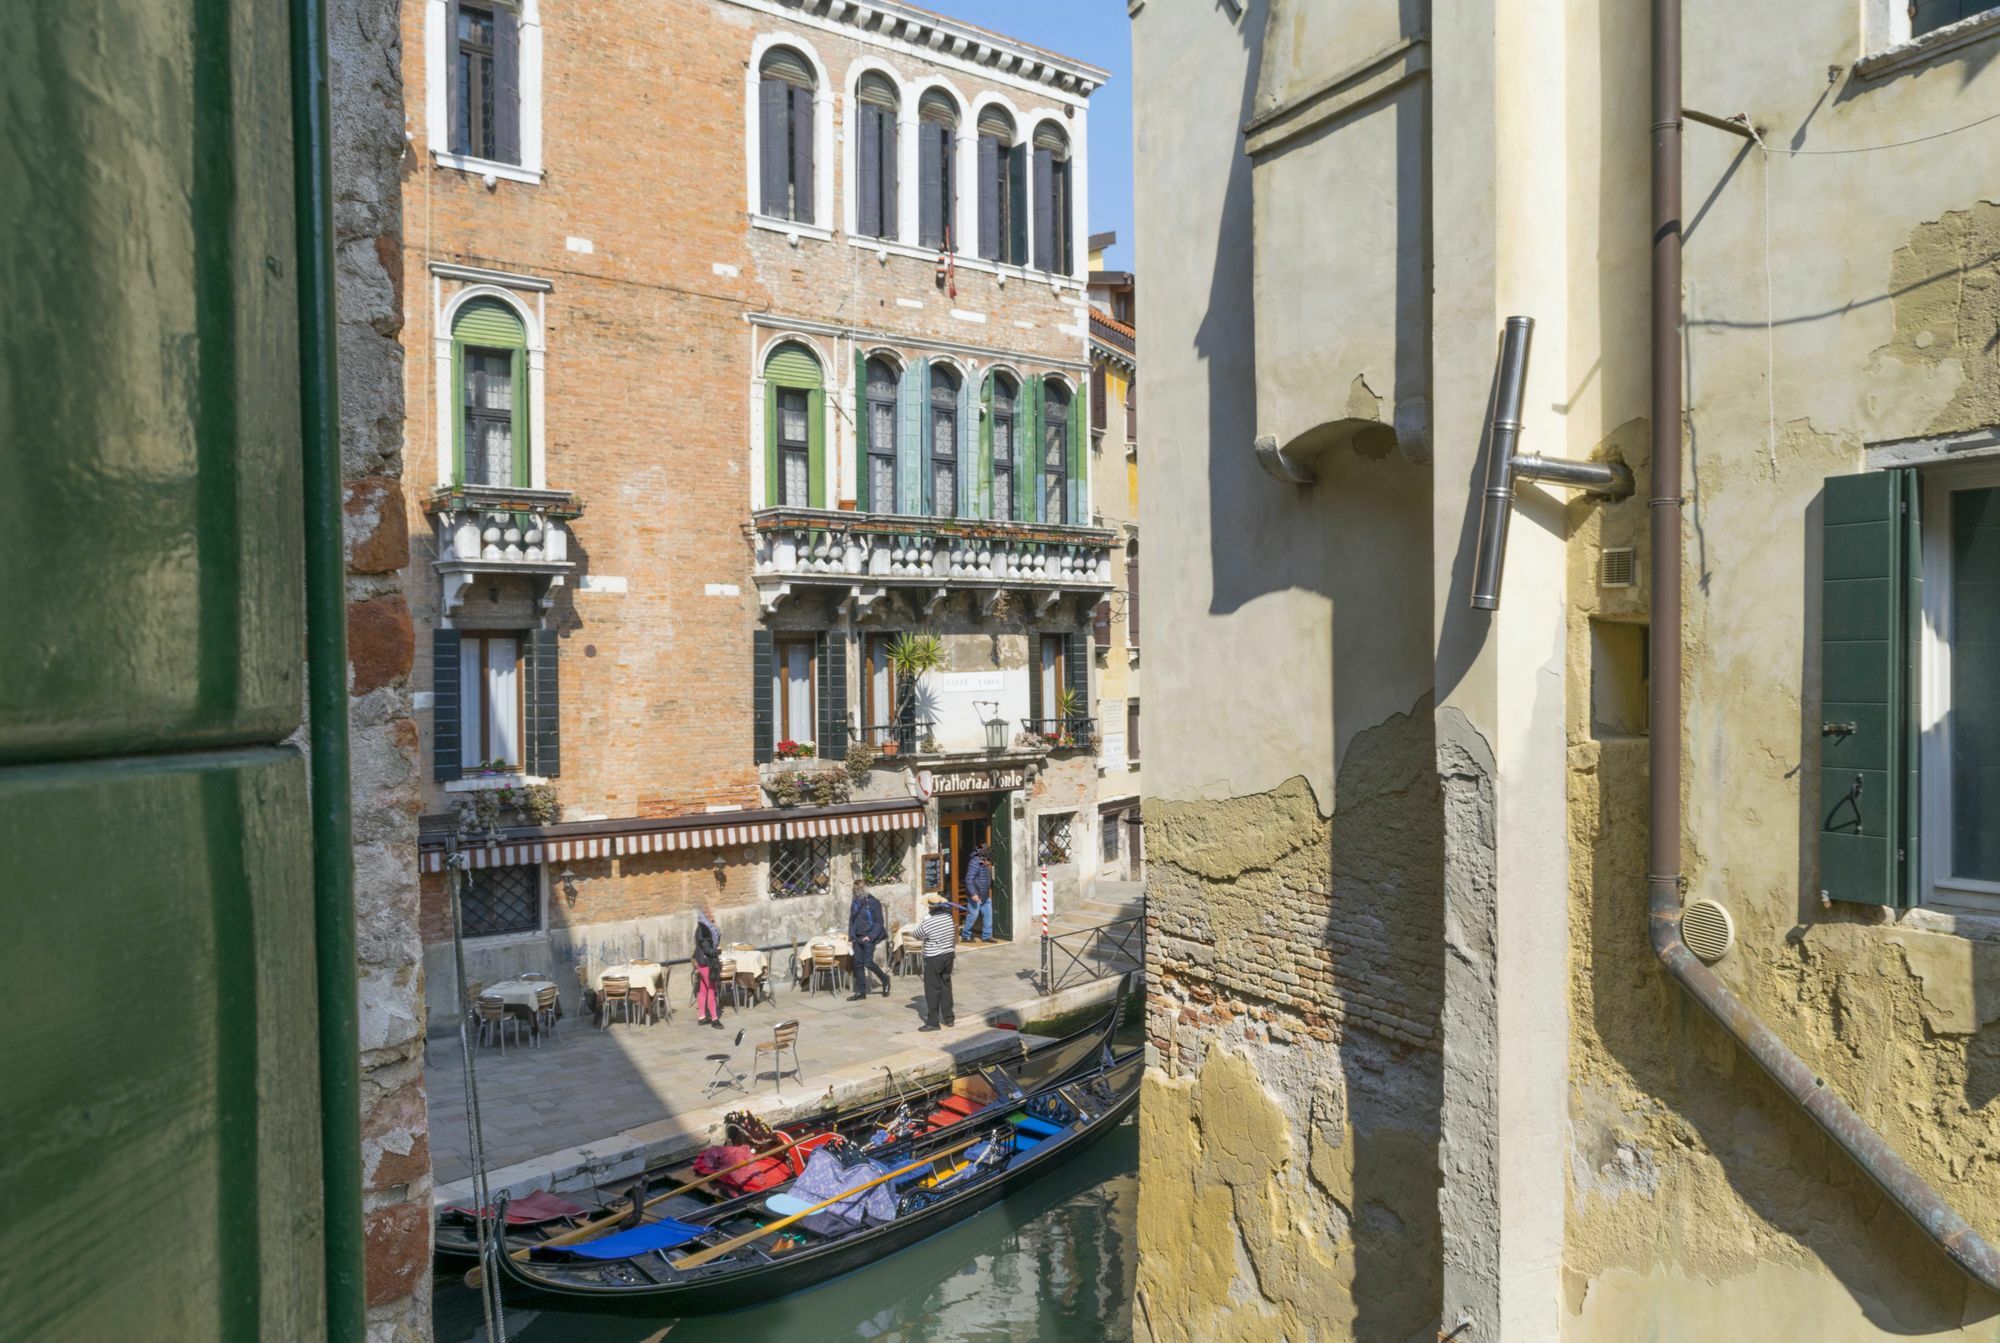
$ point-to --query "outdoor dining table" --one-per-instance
(837, 943)
(646, 978)
(520, 997)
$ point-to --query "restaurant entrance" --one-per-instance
(964, 823)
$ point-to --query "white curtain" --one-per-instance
(490, 701)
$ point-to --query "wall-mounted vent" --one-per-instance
(1618, 567)
(1707, 929)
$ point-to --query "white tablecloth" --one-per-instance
(748, 960)
(647, 975)
(517, 992)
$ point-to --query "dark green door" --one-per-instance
(160, 1134)
(1002, 854)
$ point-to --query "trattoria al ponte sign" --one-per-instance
(974, 781)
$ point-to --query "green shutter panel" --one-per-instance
(457, 413)
(1076, 668)
(1000, 851)
(763, 659)
(1867, 784)
(913, 391)
(445, 711)
(816, 448)
(792, 365)
(968, 493)
(832, 679)
(771, 496)
(861, 430)
(984, 469)
(518, 367)
(1036, 712)
(1079, 460)
(1030, 470)
(927, 506)
(544, 704)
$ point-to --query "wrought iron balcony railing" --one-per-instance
(1074, 733)
(900, 738)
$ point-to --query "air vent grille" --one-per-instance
(1618, 567)
(1708, 930)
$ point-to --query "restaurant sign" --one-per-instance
(978, 781)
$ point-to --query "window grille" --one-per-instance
(498, 900)
(882, 858)
(1052, 832)
(801, 866)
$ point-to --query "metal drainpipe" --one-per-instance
(1909, 1190)
(326, 678)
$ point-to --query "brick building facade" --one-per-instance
(652, 276)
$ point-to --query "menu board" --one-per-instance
(933, 872)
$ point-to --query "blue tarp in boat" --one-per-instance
(665, 1234)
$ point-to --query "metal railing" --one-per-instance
(1094, 953)
(1074, 733)
(905, 737)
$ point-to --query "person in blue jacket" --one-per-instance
(865, 931)
(978, 898)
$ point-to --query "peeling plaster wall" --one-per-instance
(1701, 1203)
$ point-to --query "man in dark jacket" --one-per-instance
(978, 897)
(865, 931)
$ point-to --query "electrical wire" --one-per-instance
(1897, 144)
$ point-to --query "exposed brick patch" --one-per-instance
(395, 1140)
(399, 1245)
(380, 643)
(378, 530)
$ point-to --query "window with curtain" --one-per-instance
(875, 156)
(937, 184)
(792, 691)
(879, 709)
(489, 349)
(785, 135)
(1055, 451)
(473, 132)
(1054, 212)
(944, 441)
(490, 689)
(1003, 190)
(794, 449)
(1049, 668)
(1004, 393)
(881, 412)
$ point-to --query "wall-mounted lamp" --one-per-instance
(568, 880)
(721, 871)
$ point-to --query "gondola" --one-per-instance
(736, 1255)
(542, 1215)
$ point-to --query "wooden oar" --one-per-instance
(701, 1257)
(476, 1275)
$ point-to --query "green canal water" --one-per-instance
(1053, 1263)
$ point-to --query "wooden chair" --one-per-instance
(823, 967)
(614, 994)
(910, 955)
(547, 1010)
(785, 1035)
(494, 1020)
(725, 986)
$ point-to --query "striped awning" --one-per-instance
(714, 834)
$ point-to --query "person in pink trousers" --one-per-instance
(707, 968)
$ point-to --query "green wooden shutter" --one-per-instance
(543, 730)
(1079, 460)
(1036, 710)
(1028, 473)
(445, 706)
(913, 392)
(771, 495)
(926, 505)
(816, 448)
(968, 492)
(792, 365)
(1000, 850)
(984, 469)
(1076, 671)
(832, 681)
(1867, 778)
(861, 430)
(763, 664)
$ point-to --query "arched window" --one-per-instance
(937, 184)
(1054, 214)
(880, 427)
(875, 156)
(1005, 394)
(490, 361)
(794, 429)
(785, 135)
(1003, 190)
(1055, 451)
(944, 441)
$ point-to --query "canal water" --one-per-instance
(1053, 1263)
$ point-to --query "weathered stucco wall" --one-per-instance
(1701, 1203)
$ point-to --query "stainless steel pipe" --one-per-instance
(1496, 507)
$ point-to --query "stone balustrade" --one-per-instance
(871, 552)
(486, 529)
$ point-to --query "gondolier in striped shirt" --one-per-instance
(938, 932)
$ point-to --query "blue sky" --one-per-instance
(1096, 31)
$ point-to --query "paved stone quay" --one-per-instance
(593, 1106)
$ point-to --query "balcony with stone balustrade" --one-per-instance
(866, 555)
(486, 530)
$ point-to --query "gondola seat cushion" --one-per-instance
(1041, 1128)
(532, 1209)
(666, 1234)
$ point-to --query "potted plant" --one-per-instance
(860, 759)
(1069, 706)
(911, 654)
(796, 750)
(786, 788)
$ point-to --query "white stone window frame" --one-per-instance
(825, 161)
(1936, 881)
(437, 93)
(534, 321)
(838, 471)
(1887, 46)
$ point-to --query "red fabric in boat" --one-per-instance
(943, 1118)
(713, 1159)
(804, 1148)
(965, 1105)
(534, 1209)
(758, 1175)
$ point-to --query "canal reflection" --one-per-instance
(1053, 1263)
